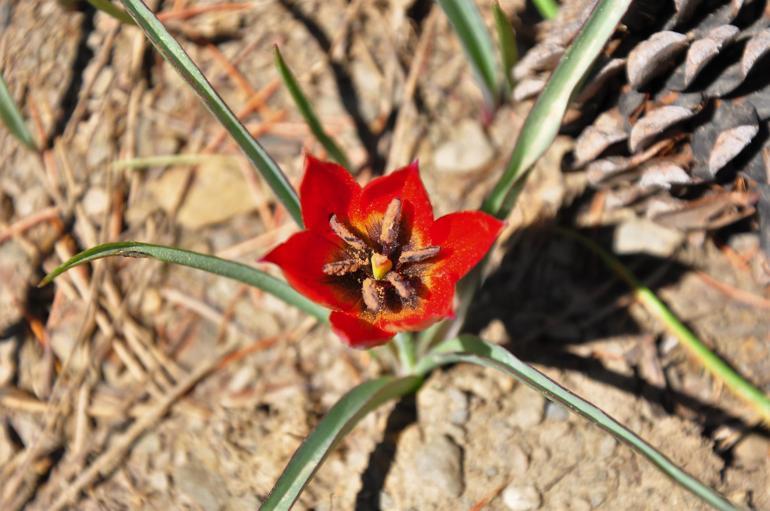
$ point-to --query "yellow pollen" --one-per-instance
(381, 265)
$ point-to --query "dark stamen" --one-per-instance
(390, 225)
(373, 295)
(346, 234)
(399, 283)
(344, 267)
(417, 256)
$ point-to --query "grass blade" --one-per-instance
(211, 264)
(506, 40)
(722, 371)
(306, 109)
(107, 7)
(12, 118)
(548, 9)
(173, 52)
(476, 351)
(343, 416)
(477, 43)
(544, 120)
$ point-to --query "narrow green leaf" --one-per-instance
(12, 118)
(473, 350)
(211, 264)
(548, 9)
(343, 416)
(107, 7)
(506, 40)
(173, 52)
(543, 122)
(306, 109)
(477, 43)
(722, 371)
(164, 160)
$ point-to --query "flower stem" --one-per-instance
(407, 357)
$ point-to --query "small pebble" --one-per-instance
(555, 412)
(521, 497)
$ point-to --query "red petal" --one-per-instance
(464, 238)
(326, 188)
(302, 258)
(436, 303)
(356, 332)
(404, 184)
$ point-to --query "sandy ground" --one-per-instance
(131, 385)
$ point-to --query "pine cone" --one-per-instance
(674, 117)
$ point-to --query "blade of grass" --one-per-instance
(306, 110)
(548, 9)
(343, 416)
(12, 117)
(107, 7)
(208, 263)
(506, 40)
(473, 350)
(477, 43)
(543, 122)
(722, 371)
(173, 53)
(165, 160)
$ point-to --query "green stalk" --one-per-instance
(406, 349)
(306, 110)
(548, 9)
(12, 118)
(176, 56)
(741, 387)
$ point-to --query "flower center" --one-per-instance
(387, 268)
(381, 265)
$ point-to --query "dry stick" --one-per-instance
(733, 292)
(101, 60)
(107, 461)
(415, 70)
(23, 224)
(189, 12)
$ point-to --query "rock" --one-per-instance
(203, 487)
(7, 361)
(555, 411)
(521, 497)
(466, 150)
(458, 411)
(752, 450)
(438, 465)
(639, 235)
(218, 192)
(15, 274)
(528, 407)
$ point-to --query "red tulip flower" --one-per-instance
(375, 255)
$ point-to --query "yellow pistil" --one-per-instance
(381, 265)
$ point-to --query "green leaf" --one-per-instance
(306, 109)
(473, 350)
(107, 7)
(506, 40)
(548, 9)
(543, 122)
(722, 371)
(343, 416)
(173, 52)
(12, 118)
(476, 42)
(211, 264)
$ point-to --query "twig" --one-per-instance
(736, 294)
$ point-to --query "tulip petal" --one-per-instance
(357, 332)
(404, 184)
(464, 239)
(302, 257)
(326, 189)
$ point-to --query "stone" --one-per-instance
(466, 150)
(438, 465)
(752, 450)
(201, 486)
(521, 497)
(15, 274)
(555, 411)
(639, 235)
